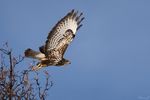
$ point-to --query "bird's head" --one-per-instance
(66, 62)
(63, 62)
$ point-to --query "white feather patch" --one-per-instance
(40, 56)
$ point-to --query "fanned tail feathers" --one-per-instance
(34, 54)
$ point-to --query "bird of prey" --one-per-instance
(61, 35)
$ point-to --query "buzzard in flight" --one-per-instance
(61, 35)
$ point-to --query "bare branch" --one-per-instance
(18, 85)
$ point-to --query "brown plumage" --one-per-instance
(61, 35)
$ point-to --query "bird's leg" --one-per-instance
(35, 68)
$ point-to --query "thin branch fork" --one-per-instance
(12, 84)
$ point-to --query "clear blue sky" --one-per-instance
(110, 55)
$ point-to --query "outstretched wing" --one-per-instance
(64, 42)
(63, 32)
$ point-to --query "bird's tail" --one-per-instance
(34, 54)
